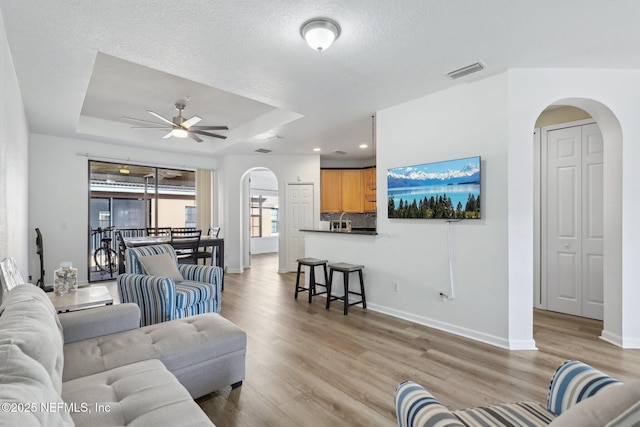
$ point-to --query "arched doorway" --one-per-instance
(568, 230)
(260, 230)
(611, 212)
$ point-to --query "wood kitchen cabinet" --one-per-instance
(352, 191)
(369, 185)
(345, 190)
(330, 190)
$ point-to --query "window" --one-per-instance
(190, 217)
(133, 198)
(264, 215)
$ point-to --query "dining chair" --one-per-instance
(214, 232)
(187, 244)
(202, 253)
(158, 231)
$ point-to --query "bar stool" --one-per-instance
(312, 263)
(346, 269)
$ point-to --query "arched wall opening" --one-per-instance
(260, 219)
(568, 219)
(612, 212)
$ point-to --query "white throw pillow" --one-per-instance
(161, 265)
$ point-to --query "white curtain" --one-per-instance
(204, 197)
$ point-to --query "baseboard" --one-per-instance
(620, 341)
(493, 340)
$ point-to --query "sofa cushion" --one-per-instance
(601, 408)
(31, 358)
(182, 345)
(630, 417)
(189, 293)
(24, 381)
(160, 265)
(139, 394)
(29, 321)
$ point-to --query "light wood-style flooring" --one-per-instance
(307, 366)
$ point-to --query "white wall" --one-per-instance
(612, 98)
(288, 169)
(464, 121)
(493, 258)
(14, 231)
(59, 193)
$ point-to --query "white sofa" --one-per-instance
(98, 367)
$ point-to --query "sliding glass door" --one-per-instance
(131, 199)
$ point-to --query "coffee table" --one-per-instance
(81, 298)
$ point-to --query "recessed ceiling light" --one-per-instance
(363, 145)
(317, 149)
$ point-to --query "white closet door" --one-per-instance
(299, 217)
(574, 250)
(592, 222)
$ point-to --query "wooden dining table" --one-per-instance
(205, 242)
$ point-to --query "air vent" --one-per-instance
(339, 152)
(263, 150)
(465, 71)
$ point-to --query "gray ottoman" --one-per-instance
(205, 352)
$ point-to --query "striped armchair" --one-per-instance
(164, 298)
(572, 383)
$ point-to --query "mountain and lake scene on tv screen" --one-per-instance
(440, 190)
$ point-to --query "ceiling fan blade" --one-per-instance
(149, 127)
(161, 118)
(192, 121)
(200, 132)
(142, 121)
(196, 138)
(209, 128)
(169, 134)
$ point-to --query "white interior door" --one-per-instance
(299, 217)
(592, 222)
(573, 221)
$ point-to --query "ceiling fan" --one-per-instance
(180, 127)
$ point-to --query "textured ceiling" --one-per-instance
(82, 65)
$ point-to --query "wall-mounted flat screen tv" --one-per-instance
(439, 190)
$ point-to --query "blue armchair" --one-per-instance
(190, 290)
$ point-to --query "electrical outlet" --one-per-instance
(396, 286)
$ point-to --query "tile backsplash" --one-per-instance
(358, 220)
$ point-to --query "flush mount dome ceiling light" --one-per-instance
(320, 33)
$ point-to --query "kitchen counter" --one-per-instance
(357, 231)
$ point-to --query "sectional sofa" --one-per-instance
(98, 367)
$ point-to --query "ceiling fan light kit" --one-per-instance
(180, 127)
(179, 133)
(320, 33)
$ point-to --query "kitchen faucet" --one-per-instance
(340, 221)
